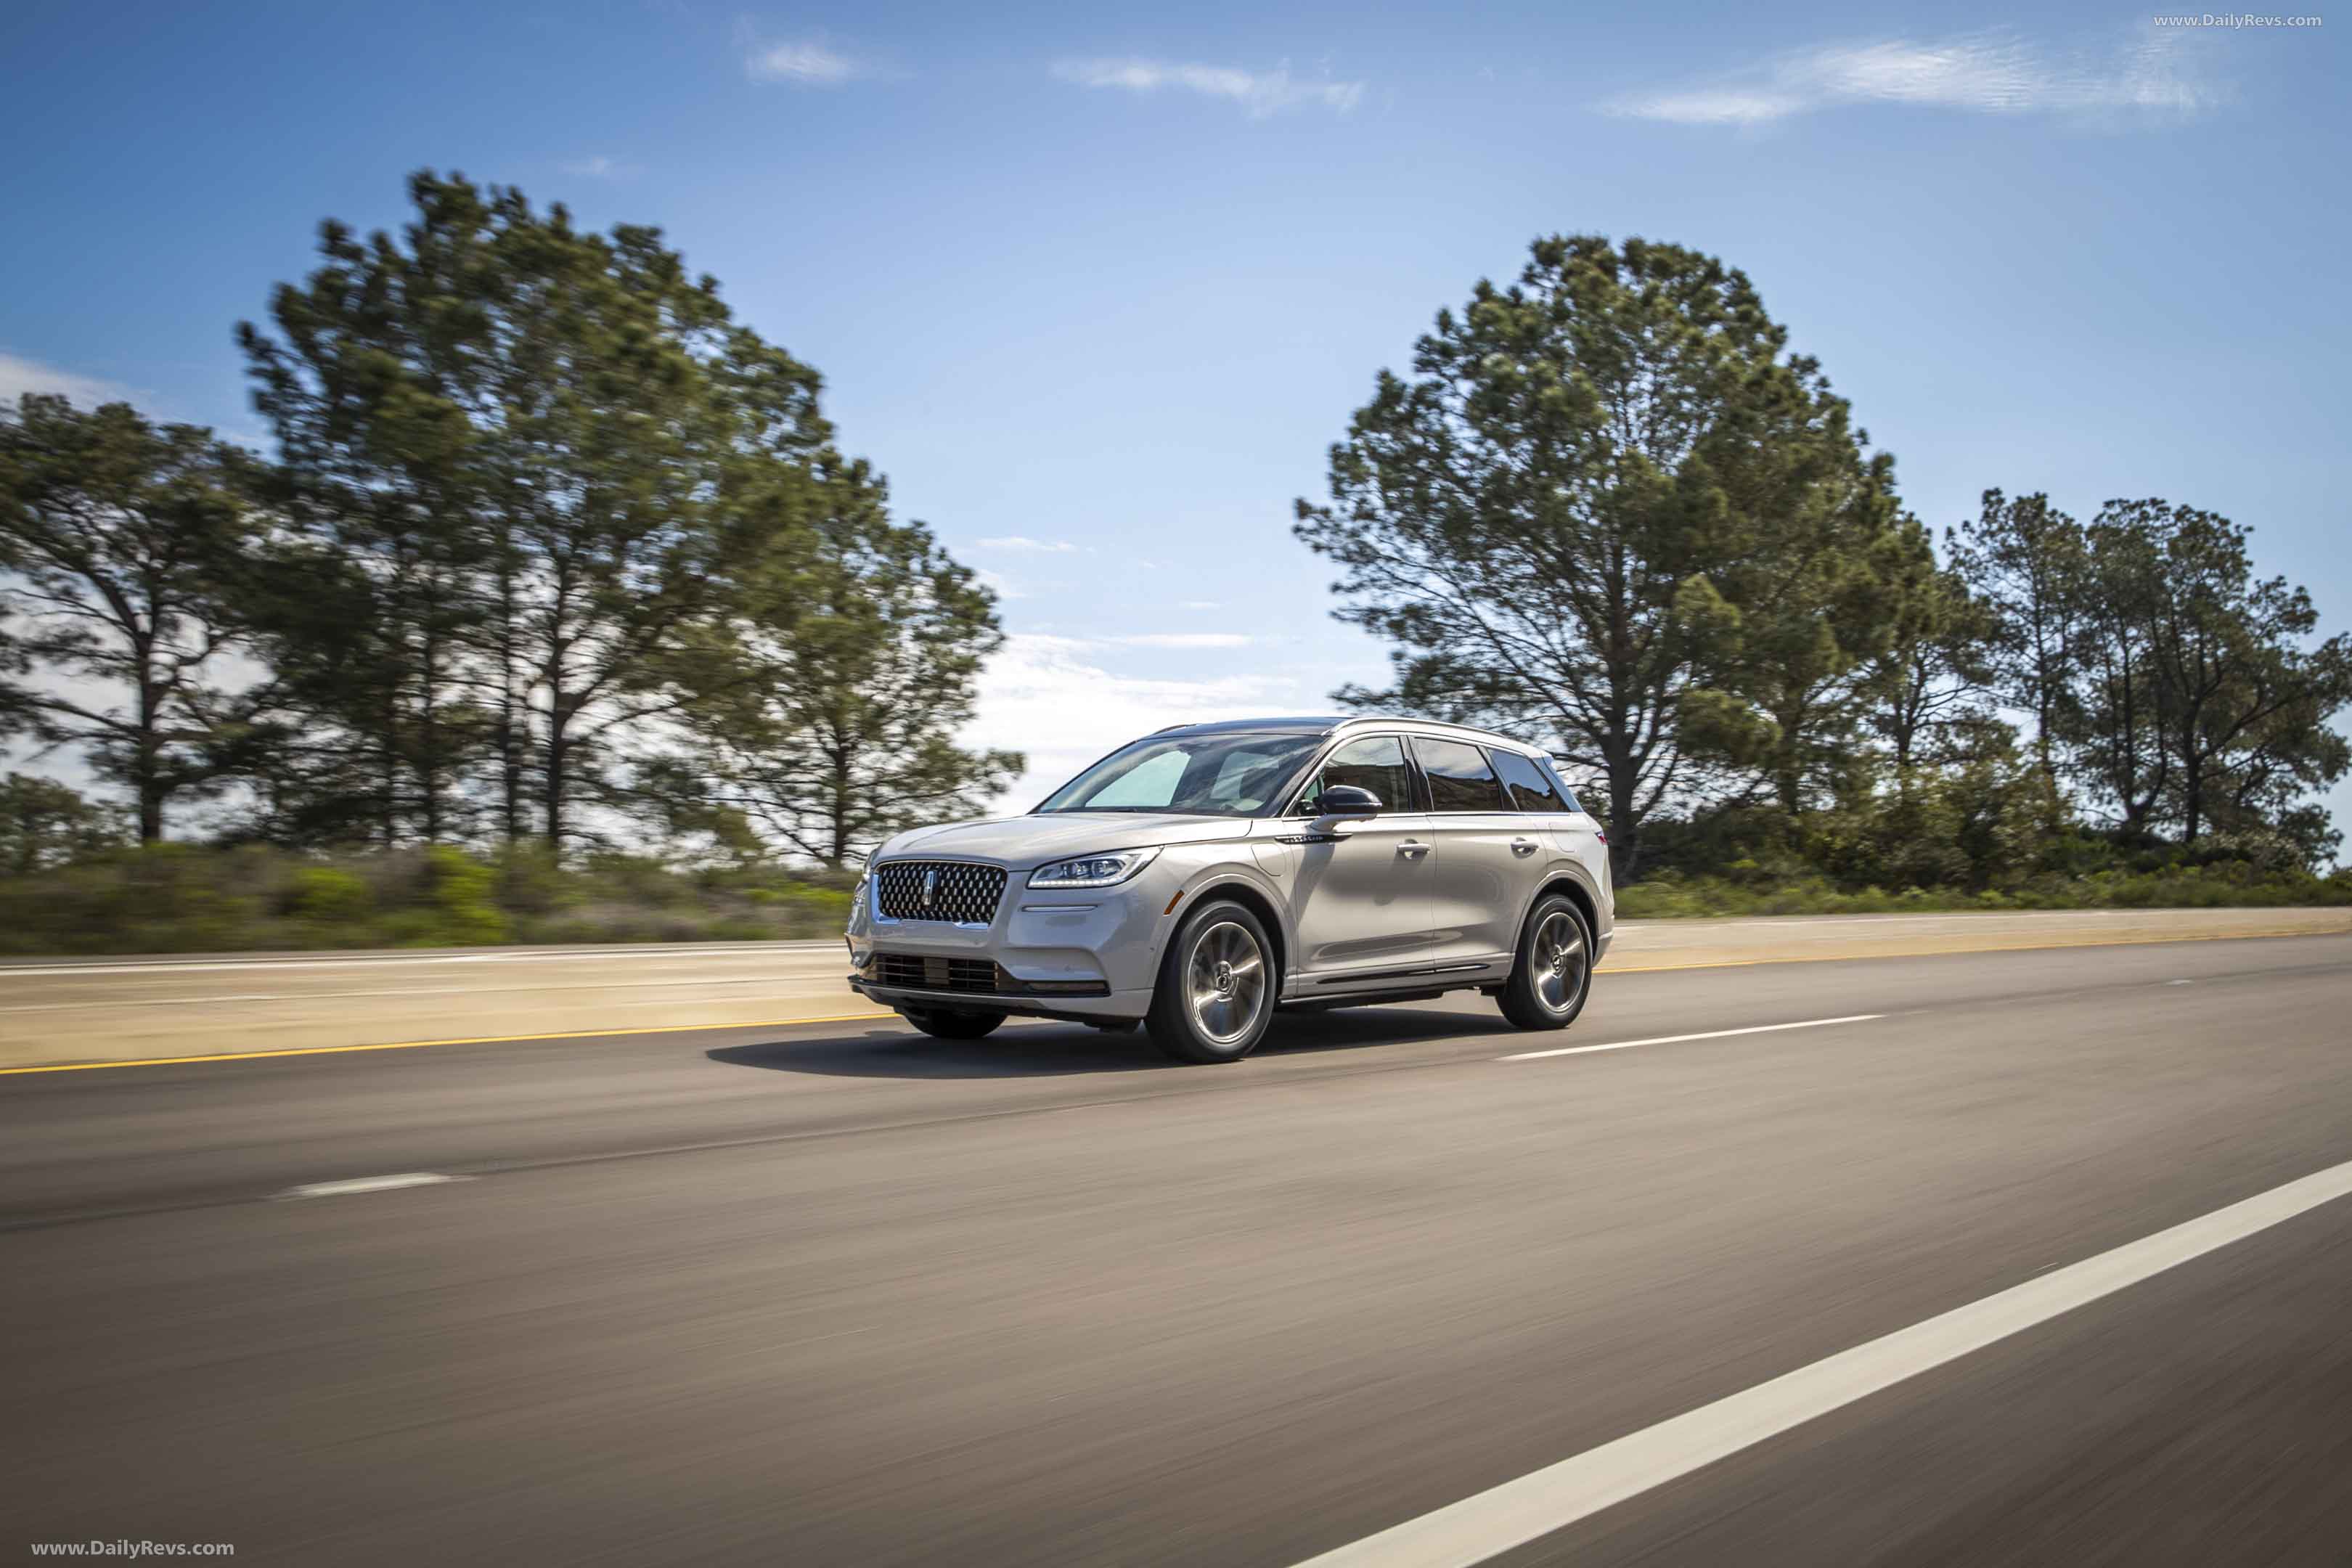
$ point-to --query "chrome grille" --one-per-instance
(928, 972)
(953, 891)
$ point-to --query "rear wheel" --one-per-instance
(1217, 983)
(1554, 972)
(951, 1023)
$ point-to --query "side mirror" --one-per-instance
(1346, 803)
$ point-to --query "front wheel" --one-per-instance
(951, 1023)
(1217, 983)
(1554, 972)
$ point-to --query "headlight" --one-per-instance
(1092, 870)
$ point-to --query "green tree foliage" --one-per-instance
(523, 467)
(862, 651)
(2207, 684)
(116, 537)
(2028, 563)
(44, 823)
(1609, 505)
(1925, 691)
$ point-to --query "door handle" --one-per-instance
(1412, 848)
(1524, 847)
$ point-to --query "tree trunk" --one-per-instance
(513, 715)
(146, 766)
(559, 758)
(1624, 822)
(429, 739)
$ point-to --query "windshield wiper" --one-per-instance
(1151, 810)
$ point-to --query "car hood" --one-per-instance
(1022, 842)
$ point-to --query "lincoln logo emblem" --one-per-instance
(931, 890)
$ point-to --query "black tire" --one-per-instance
(951, 1023)
(1217, 939)
(1553, 975)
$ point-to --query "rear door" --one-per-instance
(1483, 863)
(1359, 900)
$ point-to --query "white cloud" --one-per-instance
(803, 65)
(1185, 640)
(1043, 696)
(598, 168)
(1200, 605)
(1260, 92)
(998, 583)
(1022, 541)
(19, 376)
(1986, 73)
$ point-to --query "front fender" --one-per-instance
(1212, 876)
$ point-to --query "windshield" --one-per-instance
(1209, 775)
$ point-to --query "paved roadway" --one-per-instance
(170, 1005)
(838, 1294)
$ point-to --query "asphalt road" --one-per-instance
(838, 1294)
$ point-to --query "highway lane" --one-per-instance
(843, 1294)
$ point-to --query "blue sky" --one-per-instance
(1096, 287)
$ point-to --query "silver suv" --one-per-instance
(1204, 876)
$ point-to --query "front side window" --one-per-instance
(1205, 776)
(1529, 785)
(1459, 778)
(1375, 763)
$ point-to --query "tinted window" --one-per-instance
(1459, 778)
(1222, 776)
(1566, 795)
(1530, 787)
(1377, 763)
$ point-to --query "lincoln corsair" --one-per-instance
(1202, 877)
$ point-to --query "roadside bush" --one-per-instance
(180, 897)
(332, 899)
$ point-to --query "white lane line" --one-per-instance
(1551, 1498)
(1678, 1039)
(369, 1185)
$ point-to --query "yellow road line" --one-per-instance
(1605, 968)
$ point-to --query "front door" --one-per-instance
(1359, 900)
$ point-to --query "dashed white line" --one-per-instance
(1551, 1498)
(369, 1185)
(1678, 1039)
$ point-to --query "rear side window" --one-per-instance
(1377, 763)
(1567, 795)
(1531, 788)
(1459, 777)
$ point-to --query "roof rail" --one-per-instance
(1431, 723)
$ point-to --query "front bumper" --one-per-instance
(900, 980)
(1082, 954)
(1075, 1008)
